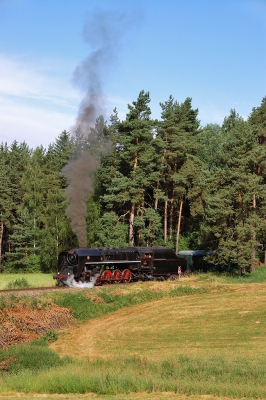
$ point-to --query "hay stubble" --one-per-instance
(227, 322)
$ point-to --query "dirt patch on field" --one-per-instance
(21, 325)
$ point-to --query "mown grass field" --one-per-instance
(203, 337)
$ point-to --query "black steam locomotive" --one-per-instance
(112, 265)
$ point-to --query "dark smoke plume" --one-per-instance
(102, 33)
(80, 174)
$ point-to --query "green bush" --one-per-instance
(34, 357)
(20, 283)
(48, 337)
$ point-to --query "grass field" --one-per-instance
(32, 280)
(220, 323)
(207, 341)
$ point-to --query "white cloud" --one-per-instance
(34, 125)
(40, 81)
(37, 101)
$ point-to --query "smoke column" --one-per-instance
(80, 177)
(102, 33)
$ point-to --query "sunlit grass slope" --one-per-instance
(201, 337)
(230, 321)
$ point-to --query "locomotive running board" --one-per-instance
(113, 262)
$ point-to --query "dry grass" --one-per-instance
(228, 322)
(21, 325)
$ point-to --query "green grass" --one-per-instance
(85, 308)
(237, 378)
(203, 335)
(259, 275)
(33, 357)
(9, 281)
(46, 280)
(18, 284)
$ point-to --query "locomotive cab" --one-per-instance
(166, 262)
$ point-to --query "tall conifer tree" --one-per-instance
(178, 131)
(233, 222)
(135, 168)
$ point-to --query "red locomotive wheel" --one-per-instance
(126, 276)
(98, 281)
(117, 276)
(107, 276)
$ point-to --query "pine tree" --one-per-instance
(44, 199)
(210, 145)
(134, 168)
(233, 220)
(55, 232)
(33, 187)
(257, 120)
(24, 254)
(62, 149)
(178, 132)
(17, 161)
(6, 201)
(112, 232)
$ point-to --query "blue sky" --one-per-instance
(213, 51)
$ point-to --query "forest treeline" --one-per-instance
(154, 182)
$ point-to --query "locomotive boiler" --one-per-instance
(118, 265)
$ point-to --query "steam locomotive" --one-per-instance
(114, 265)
